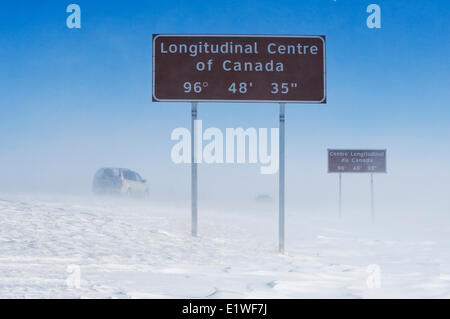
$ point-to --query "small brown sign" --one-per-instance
(356, 161)
(239, 68)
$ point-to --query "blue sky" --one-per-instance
(74, 100)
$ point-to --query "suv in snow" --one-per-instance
(119, 181)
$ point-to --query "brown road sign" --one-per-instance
(239, 68)
(356, 161)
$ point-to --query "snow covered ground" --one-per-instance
(139, 249)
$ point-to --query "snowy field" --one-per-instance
(139, 249)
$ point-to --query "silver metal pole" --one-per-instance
(194, 193)
(372, 204)
(281, 181)
(340, 195)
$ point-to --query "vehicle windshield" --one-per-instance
(139, 178)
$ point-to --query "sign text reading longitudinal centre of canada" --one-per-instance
(239, 68)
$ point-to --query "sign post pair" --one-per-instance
(243, 69)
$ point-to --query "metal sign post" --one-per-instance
(372, 205)
(340, 195)
(281, 182)
(194, 194)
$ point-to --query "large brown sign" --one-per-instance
(356, 161)
(239, 68)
